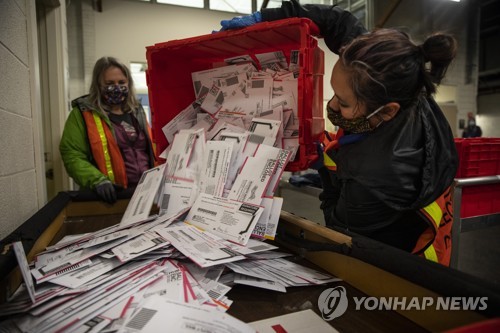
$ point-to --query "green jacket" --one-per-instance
(75, 147)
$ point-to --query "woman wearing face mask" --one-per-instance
(393, 159)
(106, 143)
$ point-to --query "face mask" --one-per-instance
(115, 94)
(356, 125)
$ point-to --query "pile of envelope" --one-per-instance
(193, 228)
(240, 98)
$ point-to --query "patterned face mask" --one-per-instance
(115, 94)
(356, 125)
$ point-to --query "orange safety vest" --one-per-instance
(435, 242)
(330, 143)
(105, 149)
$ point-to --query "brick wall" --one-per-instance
(18, 181)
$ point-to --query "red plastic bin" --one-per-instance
(478, 157)
(480, 200)
(171, 63)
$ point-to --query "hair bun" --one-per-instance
(439, 48)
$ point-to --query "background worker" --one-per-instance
(394, 156)
(472, 130)
(106, 143)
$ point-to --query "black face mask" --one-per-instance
(115, 94)
(356, 125)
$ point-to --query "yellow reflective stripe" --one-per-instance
(327, 161)
(430, 254)
(435, 212)
(107, 157)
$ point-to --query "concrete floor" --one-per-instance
(479, 253)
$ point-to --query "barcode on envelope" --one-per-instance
(232, 80)
(254, 138)
(257, 84)
(220, 98)
(258, 247)
(141, 319)
(213, 294)
(137, 206)
(69, 269)
(165, 200)
(210, 212)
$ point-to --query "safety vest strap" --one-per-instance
(435, 213)
(328, 162)
(104, 143)
(430, 254)
(104, 149)
(330, 144)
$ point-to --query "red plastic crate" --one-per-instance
(170, 65)
(480, 200)
(478, 157)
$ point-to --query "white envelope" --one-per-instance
(216, 163)
(182, 318)
(139, 207)
(253, 180)
(274, 217)
(201, 247)
(179, 122)
(178, 195)
(228, 219)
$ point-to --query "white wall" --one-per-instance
(489, 116)
(20, 167)
(425, 17)
(125, 28)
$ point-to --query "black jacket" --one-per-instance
(400, 167)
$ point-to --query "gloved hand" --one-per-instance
(320, 162)
(106, 191)
(241, 21)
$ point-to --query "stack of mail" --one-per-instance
(239, 98)
(132, 278)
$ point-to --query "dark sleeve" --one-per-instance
(360, 211)
(337, 26)
(330, 194)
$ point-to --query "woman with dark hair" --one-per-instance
(393, 159)
(106, 141)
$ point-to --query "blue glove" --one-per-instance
(106, 191)
(320, 162)
(241, 21)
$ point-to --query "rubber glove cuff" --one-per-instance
(241, 21)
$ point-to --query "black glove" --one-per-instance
(106, 191)
(320, 162)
